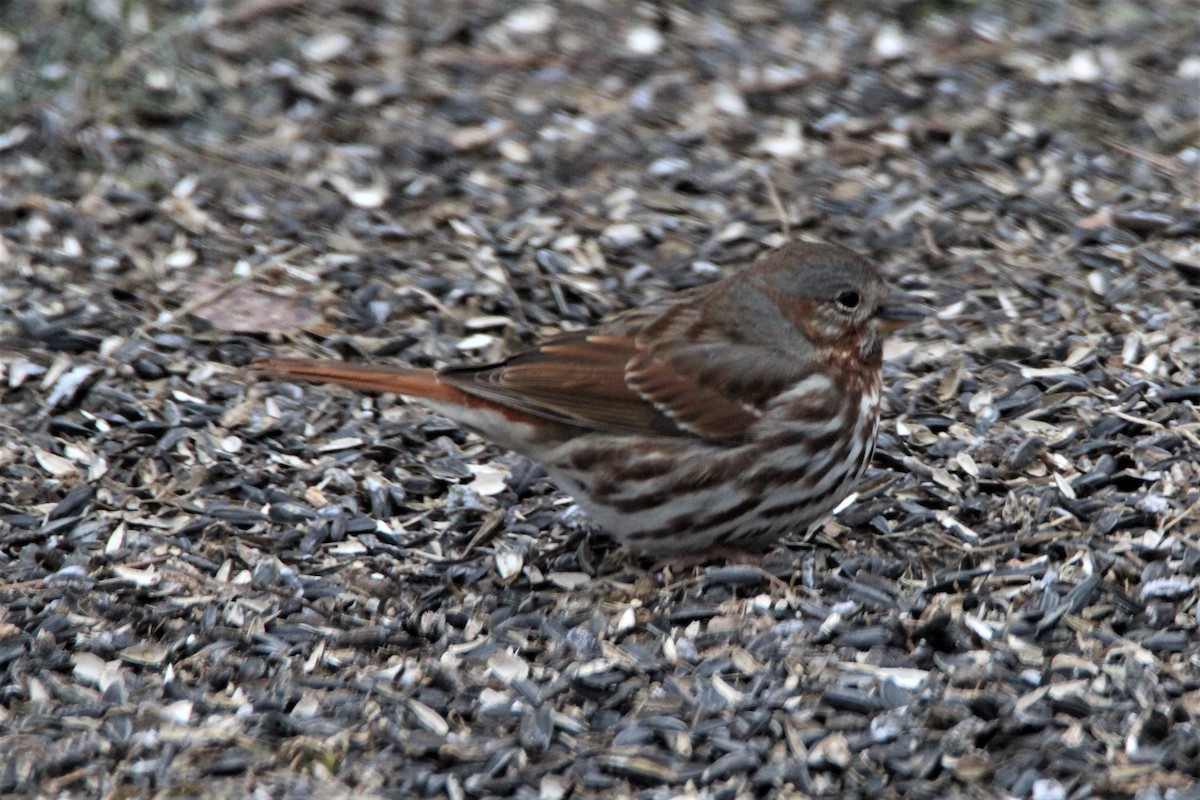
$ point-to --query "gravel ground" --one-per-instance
(213, 585)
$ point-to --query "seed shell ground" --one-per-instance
(216, 586)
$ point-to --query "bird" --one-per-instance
(717, 419)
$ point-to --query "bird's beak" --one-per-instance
(899, 310)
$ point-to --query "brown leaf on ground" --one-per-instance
(251, 309)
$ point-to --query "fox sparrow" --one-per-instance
(718, 418)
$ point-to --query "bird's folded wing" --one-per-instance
(608, 382)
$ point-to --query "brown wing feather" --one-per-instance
(697, 408)
(612, 383)
(575, 378)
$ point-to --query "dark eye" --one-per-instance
(849, 300)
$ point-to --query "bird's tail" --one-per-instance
(398, 380)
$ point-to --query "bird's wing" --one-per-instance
(574, 378)
(612, 382)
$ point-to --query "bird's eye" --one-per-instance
(849, 300)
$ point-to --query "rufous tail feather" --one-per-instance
(398, 380)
